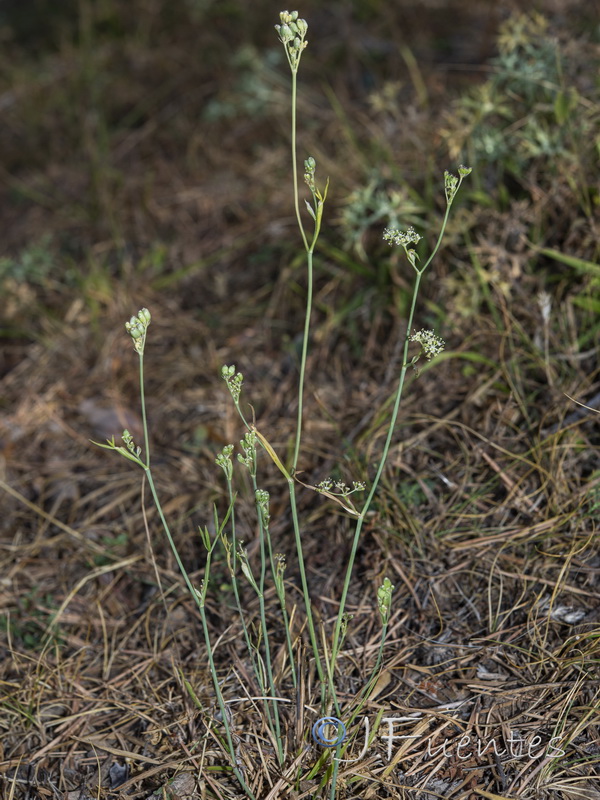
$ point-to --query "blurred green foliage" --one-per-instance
(537, 117)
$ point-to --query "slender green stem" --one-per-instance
(305, 339)
(277, 731)
(223, 711)
(240, 412)
(361, 520)
(309, 258)
(329, 668)
(144, 419)
(305, 592)
(265, 537)
(374, 485)
(370, 684)
(295, 158)
(194, 593)
(307, 315)
(265, 632)
(238, 601)
(334, 776)
(286, 621)
(441, 233)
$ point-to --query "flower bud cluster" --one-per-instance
(224, 461)
(248, 445)
(137, 327)
(234, 382)
(280, 565)
(242, 554)
(292, 33)
(262, 501)
(384, 600)
(451, 182)
(310, 166)
(130, 444)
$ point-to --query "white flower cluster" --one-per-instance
(431, 344)
(340, 487)
(402, 238)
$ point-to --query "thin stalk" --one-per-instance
(255, 487)
(277, 731)
(265, 632)
(286, 620)
(334, 776)
(370, 684)
(330, 676)
(193, 592)
(305, 592)
(144, 419)
(295, 158)
(294, 60)
(374, 485)
(223, 711)
(305, 337)
(298, 540)
(361, 520)
(238, 602)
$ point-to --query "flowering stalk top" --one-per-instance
(292, 33)
(137, 327)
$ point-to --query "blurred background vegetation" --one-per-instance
(142, 143)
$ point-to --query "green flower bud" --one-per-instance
(384, 600)
(262, 501)
(224, 461)
(246, 569)
(450, 185)
(286, 34)
(412, 256)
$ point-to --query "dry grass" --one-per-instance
(487, 516)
